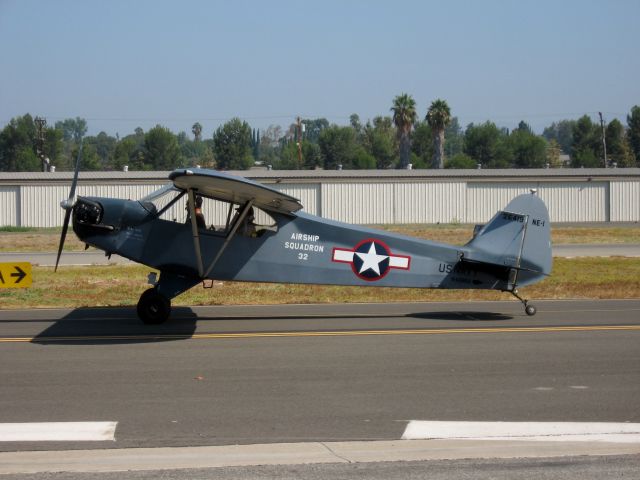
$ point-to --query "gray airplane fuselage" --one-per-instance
(301, 248)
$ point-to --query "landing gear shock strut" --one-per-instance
(528, 309)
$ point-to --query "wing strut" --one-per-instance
(194, 231)
(231, 234)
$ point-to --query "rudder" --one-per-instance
(518, 237)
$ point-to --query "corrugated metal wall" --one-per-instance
(9, 206)
(40, 204)
(566, 201)
(307, 193)
(374, 202)
(625, 201)
(358, 202)
(585, 202)
(430, 202)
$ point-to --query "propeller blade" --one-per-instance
(75, 174)
(68, 206)
(65, 227)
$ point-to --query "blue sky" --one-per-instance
(123, 64)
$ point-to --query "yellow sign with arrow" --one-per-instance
(15, 275)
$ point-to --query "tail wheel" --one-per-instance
(530, 310)
(153, 308)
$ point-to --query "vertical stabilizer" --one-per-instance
(518, 237)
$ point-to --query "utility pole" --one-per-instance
(41, 124)
(604, 141)
(299, 141)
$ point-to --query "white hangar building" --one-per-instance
(31, 199)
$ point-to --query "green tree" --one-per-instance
(105, 146)
(455, 138)
(132, 152)
(18, 152)
(438, 117)
(124, 154)
(338, 147)
(586, 146)
(524, 127)
(163, 152)
(363, 160)
(460, 161)
(90, 160)
(618, 149)
(380, 141)
(633, 123)
(232, 145)
(404, 116)
(72, 128)
(27, 160)
(422, 145)
(561, 132)
(53, 148)
(311, 155)
(486, 144)
(313, 128)
(196, 129)
(288, 158)
(527, 149)
(553, 153)
(17, 146)
(354, 121)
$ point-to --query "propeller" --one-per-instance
(68, 206)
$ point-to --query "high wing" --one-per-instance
(229, 188)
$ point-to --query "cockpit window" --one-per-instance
(217, 216)
(163, 201)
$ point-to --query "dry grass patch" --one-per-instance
(119, 285)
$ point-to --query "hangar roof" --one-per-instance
(304, 176)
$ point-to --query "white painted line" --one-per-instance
(532, 431)
(58, 432)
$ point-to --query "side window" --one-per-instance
(213, 216)
(256, 223)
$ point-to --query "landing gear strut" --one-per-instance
(528, 309)
(153, 307)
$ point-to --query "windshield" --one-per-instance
(160, 199)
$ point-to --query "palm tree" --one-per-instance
(438, 117)
(404, 116)
(197, 131)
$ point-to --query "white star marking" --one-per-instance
(371, 260)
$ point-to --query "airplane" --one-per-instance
(262, 235)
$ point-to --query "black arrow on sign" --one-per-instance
(19, 273)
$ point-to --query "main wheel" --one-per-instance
(530, 310)
(153, 308)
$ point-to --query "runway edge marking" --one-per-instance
(58, 432)
(529, 431)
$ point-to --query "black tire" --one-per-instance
(530, 310)
(153, 308)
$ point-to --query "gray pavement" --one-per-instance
(566, 468)
(326, 375)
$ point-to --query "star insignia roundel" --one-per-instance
(371, 259)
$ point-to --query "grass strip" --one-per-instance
(121, 285)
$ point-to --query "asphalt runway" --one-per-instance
(220, 376)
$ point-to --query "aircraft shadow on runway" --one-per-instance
(463, 316)
(91, 326)
(448, 315)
